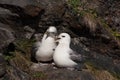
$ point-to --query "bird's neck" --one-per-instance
(64, 44)
(44, 37)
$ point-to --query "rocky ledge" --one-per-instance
(93, 25)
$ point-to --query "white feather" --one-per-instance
(45, 50)
(61, 55)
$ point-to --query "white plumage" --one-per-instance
(44, 49)
(64, 56)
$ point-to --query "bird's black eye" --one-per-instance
(53, 49)
(63, 36)
(53, 32)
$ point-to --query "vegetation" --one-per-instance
(98, 71)
(38, 75)
(78, 8)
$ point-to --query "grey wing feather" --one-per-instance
(35, 47)
(75, 56)
(79, 59)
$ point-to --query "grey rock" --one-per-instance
(16, 74)
(2, 66)
(29, 32)
(6, 34)
(21, 19)
(62, 74)
(54, 11)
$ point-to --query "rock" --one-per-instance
(29, 32)
(90, 31)
(38, 36)
(98, 60)
(69, 75)
(90, 22)
(6, 34)
(16, 74)
(53, 12)
(2, 66)
(26, 12)
(29, 7)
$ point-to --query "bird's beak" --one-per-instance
(57, 39)
(50, 34)
(47, 33)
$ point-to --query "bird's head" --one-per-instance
(64, 38)
(51, 32)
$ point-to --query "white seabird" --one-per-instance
(64, 56)
(43, 51)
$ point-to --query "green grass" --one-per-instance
(24, 43)
(116, 75)
(8, 57)
(38, 75)
(76, 4)
(95, 70)
(116, 34)
(113, 32)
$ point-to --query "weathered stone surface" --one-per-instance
(16, 74)
(6, 34)
(90, 37)
(69, 75)
(53, 12)
(2, 66)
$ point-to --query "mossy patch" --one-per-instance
(98, 72)
(8, 57)
(74, 4)
(38, 75)
(24, 46)
(116, 34)
(21, 56)
(78, 8)
(21, 62)
(112, 32)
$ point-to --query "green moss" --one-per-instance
(74, 3)
(97, 71)
(38, 75)
(101, 73)
(8, 57)
(24, 46)
(116, 34)
(113, 32)
(116, 75)
(18, 61)
(77, 4)
(24, 43)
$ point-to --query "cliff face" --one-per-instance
(94, 26)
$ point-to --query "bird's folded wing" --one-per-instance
(35, 47)
(75, 56)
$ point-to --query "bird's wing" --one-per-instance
(35, 47)
(75, 56)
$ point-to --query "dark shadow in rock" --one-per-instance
(64, 74)
(29, 15)
(2, 66)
